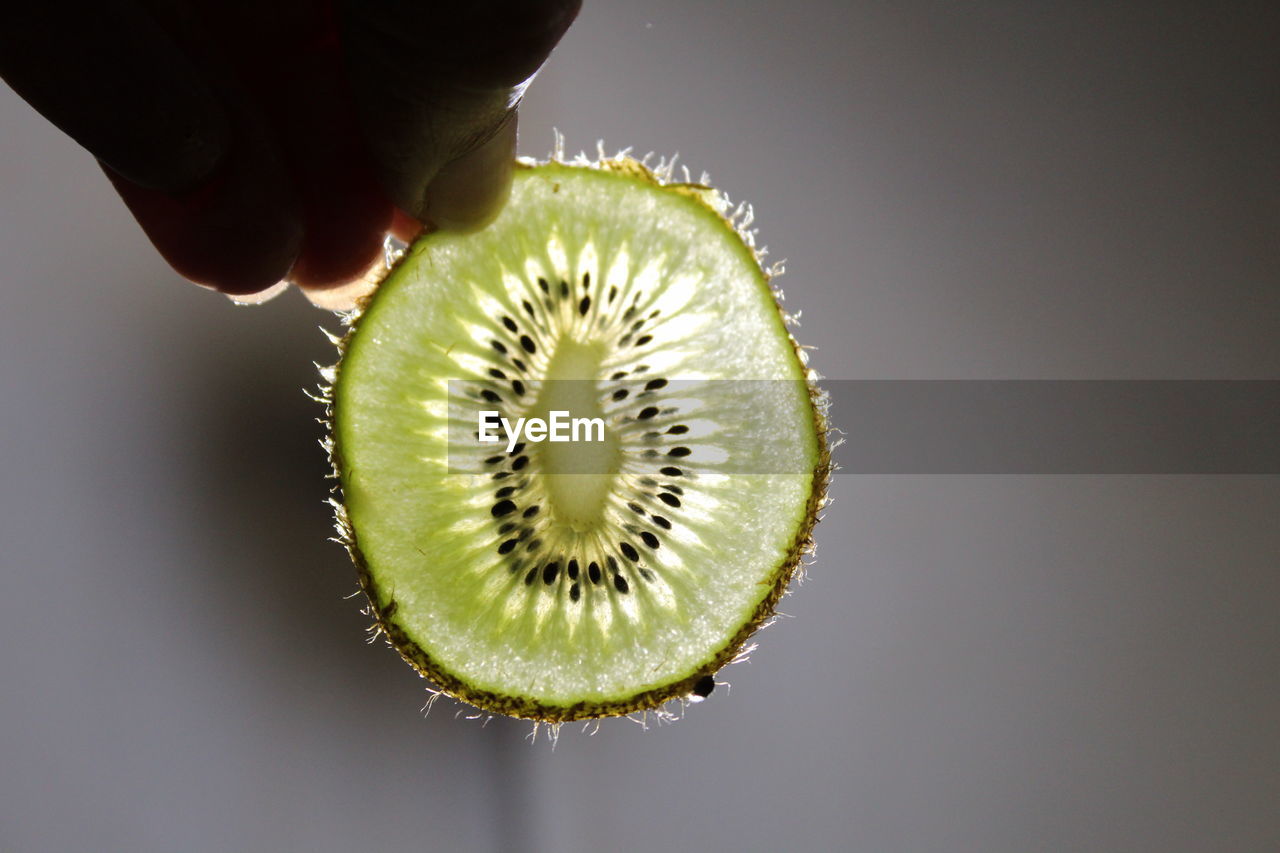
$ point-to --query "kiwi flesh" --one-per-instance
(569, 580)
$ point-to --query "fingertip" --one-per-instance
(346, 297)
(404, 227)
(341, 246)
(469, 192)
(238, 232)
(222, 246)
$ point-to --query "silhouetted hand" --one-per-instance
(257, 142)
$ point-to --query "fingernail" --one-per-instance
(347, 297)
(261, 296)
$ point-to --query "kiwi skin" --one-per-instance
(383, 607)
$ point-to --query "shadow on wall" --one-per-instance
(284, 593)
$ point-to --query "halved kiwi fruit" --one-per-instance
(566, 580)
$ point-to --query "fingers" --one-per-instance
(255, 146)
(193, 161)
(434, 83)
(281, 63)
(345, 212)
(240, 231)
(110, 78)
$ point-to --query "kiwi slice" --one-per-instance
(562, 580)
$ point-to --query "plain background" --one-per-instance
(992, 190)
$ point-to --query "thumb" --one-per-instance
(436, 86)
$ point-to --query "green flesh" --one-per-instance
(575, 579)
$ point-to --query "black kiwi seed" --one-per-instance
(518, 387)
(509, 323)
(505, 491)
(613, 293)
(549, 573)
(613, 565)
(620, 583)
(531, 511)
(502, 508)
(593, 572)
(528, 308)
(585, 305)
(491, 396)
(629, 551)
(646, 574)
(668, 499)
(645, 413)
(649, 539)
(533, 545)
(678, 429)
(496, 373)
(564, 288)
(498, 345)
(636, 508)
(643, 339)
(518, 449)
(542, 282)
(520, 462)
(675, 490)
(661, 521)
(502, 475)
(506, 527)
(574, 593)
(508, 546)
(527, 343)
(586, 281)
(679, 451)
(494, 460)
(620, 394)
(671, 471)
(519, 365)
(655, 384)
(529, 577)
(573, 570)
(615, 377)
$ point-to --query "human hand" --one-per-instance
(259, 143)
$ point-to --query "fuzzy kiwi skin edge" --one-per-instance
(383, 609)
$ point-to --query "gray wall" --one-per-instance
(1006, 663)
